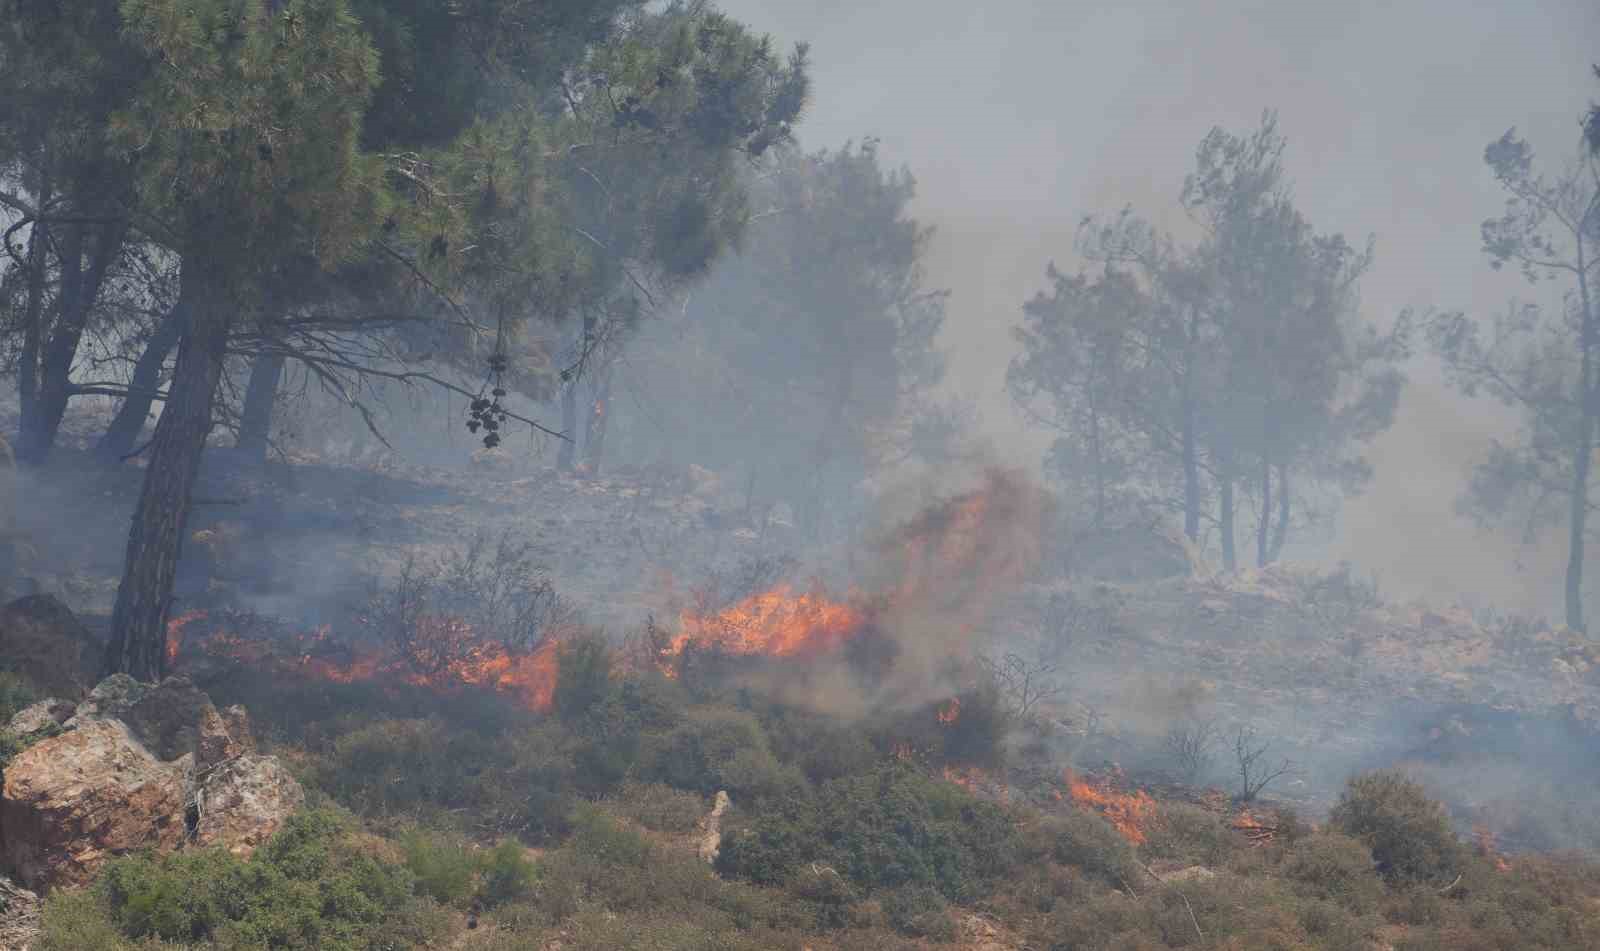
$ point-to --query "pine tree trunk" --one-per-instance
(567, 455)
(1264, 524)
(1230, 560)
(594, 441)
(1191, 450)
(1280, 534)
(260, 396)
(1582, 451)
(138, 622)
(33, 317)
(79, 292)
(123, 433)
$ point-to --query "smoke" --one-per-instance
(1019, 117)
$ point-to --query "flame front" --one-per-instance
(776, 623)
(175, 628)
(528, 676)
(1128, 813)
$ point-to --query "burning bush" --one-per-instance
(1408, 832)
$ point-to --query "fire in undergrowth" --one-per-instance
(777, 623)
(1129, 813)
(937, 577)
(528, 676)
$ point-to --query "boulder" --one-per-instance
(243, 801)
(42, 640)
(111, 699)
(168, 717)
(75, 800)
(47, 713)
(19, 916)
(217, 743)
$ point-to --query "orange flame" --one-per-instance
(175, 628)
(1128, 813)
(977, 781)
(776, 623)
(950, 712)
(528, 676)
(1486, 848)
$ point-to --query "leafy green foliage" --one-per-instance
(443, 867)
(890, 827)
(918, 911)
(308, 887)
(15, 693)
(1084, 840)
(1408, 832)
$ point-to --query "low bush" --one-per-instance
(719, 748)
(1408, 832)
(1186, 833)
(918, 912)
(659, 807)
(443, 867)
(1085, 841)
(15, 693)
(306, 888)
(1335, 867)
(507, 874)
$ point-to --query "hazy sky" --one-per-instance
(1019, 116)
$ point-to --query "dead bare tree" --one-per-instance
(1192, 746)
(1256, 771)
(1024, 684)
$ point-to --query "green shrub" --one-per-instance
(1085, 841)
(828, 893)
(16, 692)
(1408, 832)
(444, 868)
(77, 920)
(659, 807)
(919, 912)
(306, 888)
(583, 680)
(1186, 833)
(719, 748)
(508, 873)
(521, 781)
(768, 847)
(1334, 866)
(822, 747)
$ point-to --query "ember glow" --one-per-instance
(979, 782)
(528, 676)
(175, 628)
(1484, 838)
(950, 712)
(775, 623)
(1129, 813)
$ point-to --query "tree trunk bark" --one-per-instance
(1582, 451)
(1280, 534)
(567, 455)
(139, 620)
(1230, 560)
(33, 316)
(79, 291)
(1264, 524)
(594, 442)
(1191, 451)
(123, 433)
(260, 395)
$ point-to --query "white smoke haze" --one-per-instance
(1019, 117)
